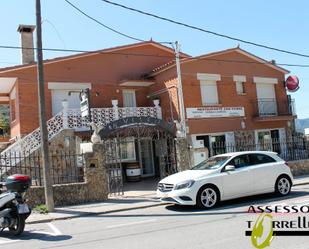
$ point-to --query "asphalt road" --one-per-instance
(163, 227)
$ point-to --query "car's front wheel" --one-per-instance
(283, 186)
(207, 197)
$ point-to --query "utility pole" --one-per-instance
(48, 188)
(180, 93)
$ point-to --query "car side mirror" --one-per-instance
(229, 168)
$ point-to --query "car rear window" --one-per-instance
(260, 159)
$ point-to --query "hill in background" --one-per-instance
(301, 124)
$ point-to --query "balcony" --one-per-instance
(101, 117)
(272, 109)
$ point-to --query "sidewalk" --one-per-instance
(301, 180)
(132, 199)
(136, 196)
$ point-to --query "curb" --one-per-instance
(300, 184)
(113, 211)
(95, 213)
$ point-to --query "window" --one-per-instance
(209, 92)
(211, 163)
(240, 88)
(240, 161)
(205, 140)
(13, 109)
(13, 104)
(260, 159)
(127, 149)
(129, 99)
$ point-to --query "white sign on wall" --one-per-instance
(215, 112)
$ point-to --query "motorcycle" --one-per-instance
(13, 207)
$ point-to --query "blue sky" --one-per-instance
(283, 24)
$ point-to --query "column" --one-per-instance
(115, 108)
(156, 103)
(65, 105)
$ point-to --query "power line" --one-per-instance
(154, 55)
(248, 62)
(102, 24)
(206, 31)
(107, 27)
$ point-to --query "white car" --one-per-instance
(227, 176)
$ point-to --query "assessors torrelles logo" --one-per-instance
(277, 220)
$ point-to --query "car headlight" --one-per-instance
(186, 184)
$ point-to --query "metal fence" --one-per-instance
(65, 166)
(296, 148)
(272, 107)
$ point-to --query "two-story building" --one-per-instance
(229, 96)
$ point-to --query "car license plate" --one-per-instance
(23, 209)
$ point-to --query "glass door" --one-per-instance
(147, 157)
(264, 140)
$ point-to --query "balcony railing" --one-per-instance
(72, 119)
(272, 107)
(103, 116)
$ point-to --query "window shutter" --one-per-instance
(239, 87)
(129, 99)
(209, 93)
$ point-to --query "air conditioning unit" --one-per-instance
(197, 144)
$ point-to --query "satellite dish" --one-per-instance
(292, 83)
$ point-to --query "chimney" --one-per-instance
(26, 36)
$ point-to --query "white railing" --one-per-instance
(126, 112)
(30, 142)
(103, 116)
(71, 119)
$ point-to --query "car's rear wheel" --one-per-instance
(207, 197)
(283, 186)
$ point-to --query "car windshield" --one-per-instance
(211, 163)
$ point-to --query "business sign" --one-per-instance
(292, 83)
(215, 112)
(136, 122)
(84, 107)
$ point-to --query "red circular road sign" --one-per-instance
(292, 83)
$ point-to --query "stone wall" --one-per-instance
(183, 154)
(63, 160)
(94, 188)
(300, 167)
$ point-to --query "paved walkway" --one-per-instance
(136, 196)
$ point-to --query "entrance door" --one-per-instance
(217, 144)
(263, 139)
(147, 157)
(267, 103)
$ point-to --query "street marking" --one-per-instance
(131, 223)
(55, 232)
(8, 241)
(55, 229)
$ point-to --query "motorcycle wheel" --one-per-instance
(19, 225)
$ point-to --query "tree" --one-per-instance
(4, 118)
